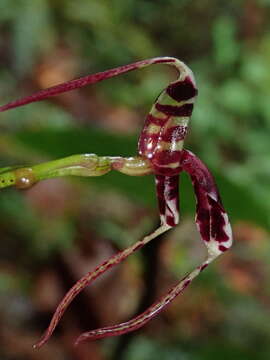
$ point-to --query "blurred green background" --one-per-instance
(55, 232)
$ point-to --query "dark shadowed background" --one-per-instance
(58, 230)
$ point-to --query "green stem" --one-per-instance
(75, 165)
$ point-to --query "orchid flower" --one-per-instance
(161, 152)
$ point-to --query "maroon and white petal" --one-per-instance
(211, 218)
(167, 189)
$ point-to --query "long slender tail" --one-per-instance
(147, 315)
(91, 79)
(91, 276)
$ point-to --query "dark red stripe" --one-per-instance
(164, 61)
(172, 110)
(186, 283)
(167, 189)
(202, 210)
(170, 220)
(172, 193)
(151, 119)
(174, 133)
(182, 90)
(160, 193)
(162, 159)
(222, 248)
(217, 222)
(172, 190)
(203, 267)
(167, 171)
(203, 220)
(165, 157)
